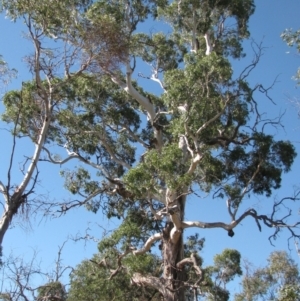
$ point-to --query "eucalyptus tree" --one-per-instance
(278, 280)
(6, 73)
(152, 146)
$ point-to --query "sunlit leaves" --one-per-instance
(196, 18)
(226, 267)
(79, 180)
(6, 74)
(90, 281)
(278, 280)
(149, 150)
(42, 13)
(158, 167)
(131, 232)
(293, 39)
(26, 108)
(260, 169)
(289, 293)
(159, 49)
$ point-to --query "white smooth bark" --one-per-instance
(141, 99)
(15, 201)
(151, 240)
(209, 47)
(203, 225)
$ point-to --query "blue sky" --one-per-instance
(46, 234)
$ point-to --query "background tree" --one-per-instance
(279, 280)
(151, 149)
(27, 281)
(92, 280)
(5, 73)
(292, 38)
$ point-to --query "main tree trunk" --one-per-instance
(173, 252)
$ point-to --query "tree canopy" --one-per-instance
(144, 151)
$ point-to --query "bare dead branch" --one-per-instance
(71, 156)
(269, 221)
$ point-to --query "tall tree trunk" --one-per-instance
(173, 252)
(172, 255)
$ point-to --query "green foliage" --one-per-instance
(289, 293)
(279, 280)
(95, 118)
(292, 38)
(131, 232)
(42, 13)
(210, 15)
(227, 265)
(6, 74)
(193, 245)
(91, 282)
(158, 48)
(51, 291)
(145, 263)
(266, 160)
(25, 109)
(79, 180)
(164, 166)
(92, 109)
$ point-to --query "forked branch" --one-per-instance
(151, 240)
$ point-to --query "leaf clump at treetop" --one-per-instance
(93, 97)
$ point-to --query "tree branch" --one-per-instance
(192, 260)
(207, 123)
(151, 240)
(73, 155)
(64, 207)
(142, 100)
(151, 281)
(270, 222)
(204, 225)
(194, 163)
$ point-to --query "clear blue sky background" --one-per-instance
(46, 234)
